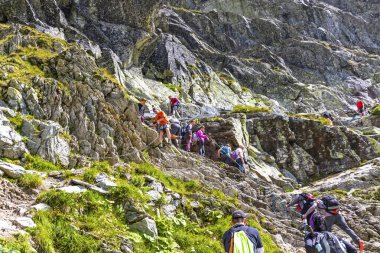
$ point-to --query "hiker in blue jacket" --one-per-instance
(239, 220)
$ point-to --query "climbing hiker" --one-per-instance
(163, 122)
(242, 238)
(174, 105)
(328, 116)
(175, 131)
(321, 240)
(224, 153)
(238, 157)
(304, 202)
(200, 139)
(360, 107)
(141, 106)
(187, 136)
(329, 207)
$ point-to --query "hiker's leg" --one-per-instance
(161, 136)
(168, 134)
(349, 247)
(240, 164)
(188, 144)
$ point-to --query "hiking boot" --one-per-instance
(161, 145)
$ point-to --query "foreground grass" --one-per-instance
(82, 222)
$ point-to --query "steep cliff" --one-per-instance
(82, 174)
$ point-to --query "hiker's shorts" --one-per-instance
(162, 128)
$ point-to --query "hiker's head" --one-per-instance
(300, 250)
(241, 146)
(228, 145)
(142, 100)
(170, 97)
(155, 110)
(318, 223)
(238, 216)
(193, 122)
(202, 128)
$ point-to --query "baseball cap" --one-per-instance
(238, 214)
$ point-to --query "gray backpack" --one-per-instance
(324, 242)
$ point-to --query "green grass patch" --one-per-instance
(311, 116)
(18, 244)
(187, 10)
(30, 181)
(173, 87)
(249, 109)
(37, 163)
(16, 121)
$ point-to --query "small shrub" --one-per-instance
(173, 87)
(376, 110)
(90, 175)
(311, 116)
(18, 244)
(30, 181)
(16, 121)
(249, 109)
(39, 164)
(58, 200)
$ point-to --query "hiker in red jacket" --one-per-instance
(360, 106)
(174, 104)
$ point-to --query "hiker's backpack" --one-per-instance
(195, 138)
(184, 130)
(307, 202)
(331, 203)
(240, 243)
(317, 222)
(225, 151)
(318, 242)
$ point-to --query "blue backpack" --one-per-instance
(225, 151)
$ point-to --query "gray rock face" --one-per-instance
(11, 142)
(146, 226)
(12, 170)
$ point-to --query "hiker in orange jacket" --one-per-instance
(163, 122)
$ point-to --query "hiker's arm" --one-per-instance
(226, 241)
(219, 152)
(241, 157)
(311, 209)
(259, 245)
(293, 202)
(341, 222)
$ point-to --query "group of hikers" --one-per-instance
(318, 215)
(360, 109)
(188, 135)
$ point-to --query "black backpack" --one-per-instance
(316, 242)
(308, 202)
(331, 203)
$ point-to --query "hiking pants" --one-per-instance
(187, 142)
(201, 148)
(226, 159)
(240, 165)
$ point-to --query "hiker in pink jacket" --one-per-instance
(201, 141)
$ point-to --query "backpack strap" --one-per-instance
(231, 250)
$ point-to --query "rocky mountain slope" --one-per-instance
(82, 174)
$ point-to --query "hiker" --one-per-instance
(361, 108)
(321, 240)
(329, 207)
(175, 131)
(328, 116)
(224, 153)
(163, 122)
(200, 139)
(141, 106)
(187, 135)
(174, 104)
(304, 202)
(242, 238)
(238, 157)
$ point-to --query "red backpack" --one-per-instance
(307, 202)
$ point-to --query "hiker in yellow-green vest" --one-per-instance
(242, 238)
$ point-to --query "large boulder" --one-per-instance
(12, 170)
(146, 226)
